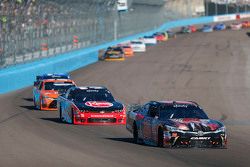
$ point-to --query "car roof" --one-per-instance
(172, 103)
(58, 80)
(52, 76)
(91, 88)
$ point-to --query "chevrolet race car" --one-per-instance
(245, 24)
(90, 106)
(115, 53)
(207, 28)
(219, 27)
(149, 40)
(50, 76)
(175, 124)
(138, 46)
(236, 26)
(45, 94)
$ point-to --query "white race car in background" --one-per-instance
(138, 46)
(236, 26)
(149, 40)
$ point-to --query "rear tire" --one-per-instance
(72, 117)
(60, 114)
(160, 138)
(135, 134)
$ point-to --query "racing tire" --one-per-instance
(160, 138)
(40, 105)
(72, 117)
(135, 134)
(60, 114)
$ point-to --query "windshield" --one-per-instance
(58, 85)
(172, 112)
(136, 42)
(94, 95)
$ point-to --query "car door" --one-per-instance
(146, 123)
(37, 93)
(66, 105)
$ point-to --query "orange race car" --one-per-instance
(46, 93)
(245, 24)
(128, 51)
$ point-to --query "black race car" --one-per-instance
(175, 124)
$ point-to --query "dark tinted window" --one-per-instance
(93, 95)
(58, 85)
(170, 112)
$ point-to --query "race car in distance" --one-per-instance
(207, 28)
(171, 34)
(245, 24)
(115, 53)
(188, 29)
(161, 36)
(175, 124)
(90, 106)
(39, 78)
(128, 50)
(236, 26)
(46, 93)
(138, 46)
(149, 40)
(219, 27)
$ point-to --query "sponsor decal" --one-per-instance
(246, 15)
(98, 104)
(101, 116)
(224, 18)
(200, 138)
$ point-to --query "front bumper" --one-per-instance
(193, 139)
(49, 104)
(99, 119)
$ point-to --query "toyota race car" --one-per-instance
(175, 124)
(138, 46)
(207, 28)
(149, 40)
(115, 53)
(245, 24)
(90, 106)
(236, 26)
(161, 36)
(46, 93)
(219, 27)
(171, 34)
(188, 29)
(128, 50)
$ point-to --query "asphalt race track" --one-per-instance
(212, 69)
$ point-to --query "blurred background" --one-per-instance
(34, 29)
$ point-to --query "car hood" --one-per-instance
(189, 124)
(99, 106)
(51, 94)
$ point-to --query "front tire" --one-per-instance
(72, 117)
(60, 114)
(160, 138)
(135, 134)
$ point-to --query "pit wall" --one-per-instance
(23, 75)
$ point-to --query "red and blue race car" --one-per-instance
(90, 106)
(175, 124)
